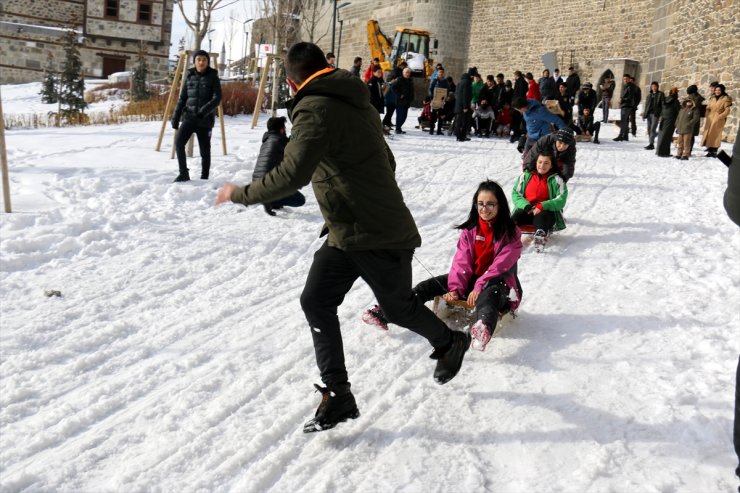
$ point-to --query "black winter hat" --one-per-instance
(692, 89)
(565, 135)
(202, 53)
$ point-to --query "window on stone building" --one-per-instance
(111, 8)
(145, 12)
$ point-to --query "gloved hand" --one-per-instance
(175, 124)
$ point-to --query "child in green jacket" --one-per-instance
(539, 197)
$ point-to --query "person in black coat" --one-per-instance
(404, 89)
(199, 99)
(548, 86)
(561, 145)
(668, 116)
(271, 154)
(573, 82)
(517, 122)
(564, 102)
(626, 103)
(651, 111)
(376, 85)
(463, 99)
(633, 115)
(586, 98)
(499, 91)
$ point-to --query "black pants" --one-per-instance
(633, 121)
(462, 124)
(387, 119)
(187, 129)
(388, 273)
(517, 122)
(492, 300)
(736, 423)
(295, 200)
(545, 220)
(437, 120)
(593, 130)
(624, 122)
(483, 126)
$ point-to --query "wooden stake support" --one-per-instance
(4, 161)
(269, 61)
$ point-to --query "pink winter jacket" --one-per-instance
(505, 256)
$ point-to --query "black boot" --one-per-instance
(450, 361)
(182, 177)
(268, 210)
(336, 406)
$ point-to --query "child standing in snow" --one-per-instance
(539, 197)
(685, 123)
(483, 270)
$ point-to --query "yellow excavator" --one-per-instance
(409, 44)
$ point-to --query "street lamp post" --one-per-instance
(339, 48)
(209, 41)
(334, 22)
(246, 43)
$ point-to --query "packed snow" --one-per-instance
(177, 357)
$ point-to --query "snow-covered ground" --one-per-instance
(178, 358)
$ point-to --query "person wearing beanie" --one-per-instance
(561, 145)
(693, 92)
(196, 107)
(271, 154)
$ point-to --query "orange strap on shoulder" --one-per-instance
(322, 71)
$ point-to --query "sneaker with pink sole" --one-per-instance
(375, 316)
(481, 335)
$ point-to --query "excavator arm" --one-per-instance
(379, 44)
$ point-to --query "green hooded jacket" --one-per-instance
(558, 195)
(337, 145)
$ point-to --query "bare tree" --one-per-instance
(231, 30)
(312, 13)
(203, 12)
(282, 17)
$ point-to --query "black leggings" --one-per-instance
(492, 300)
(545, 220)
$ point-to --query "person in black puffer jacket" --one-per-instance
(199, 100)
(271, 154)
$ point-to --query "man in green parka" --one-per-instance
(337, 145)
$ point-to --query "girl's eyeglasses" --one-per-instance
(489, 206)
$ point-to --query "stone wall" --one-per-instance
(509, 35)
(31, 37)
(44, 12)
(697, 42)
(675, 42)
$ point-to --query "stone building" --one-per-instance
(111, 34)
(674, 42)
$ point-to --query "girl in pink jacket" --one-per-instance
(483, 270)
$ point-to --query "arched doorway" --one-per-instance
(607, 74)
